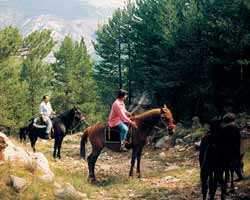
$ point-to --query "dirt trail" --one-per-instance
(166, 174)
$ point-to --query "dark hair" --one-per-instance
(229, 117)
(121, 93)
(44, 97)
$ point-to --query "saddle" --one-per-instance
(39, 123)
(112, 135)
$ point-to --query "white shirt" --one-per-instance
(45, 109)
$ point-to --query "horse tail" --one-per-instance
(84, 139)
(23, 132)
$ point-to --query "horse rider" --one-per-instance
(47, 112)
(120, 117)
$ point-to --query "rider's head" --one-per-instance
(46, 98)
(122, 94)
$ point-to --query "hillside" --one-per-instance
(173, 175)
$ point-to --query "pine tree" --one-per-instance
(74, 84)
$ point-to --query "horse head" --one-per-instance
(78, 116)
(167, 119)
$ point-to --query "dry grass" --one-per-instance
(112, 169)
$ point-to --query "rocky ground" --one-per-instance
(168, 173)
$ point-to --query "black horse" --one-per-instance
(62, 124)
(219, 155)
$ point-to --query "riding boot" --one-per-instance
(123, 148)
(46, 136)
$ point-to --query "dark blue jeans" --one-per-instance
(123, 128)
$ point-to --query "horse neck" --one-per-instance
(149, 118)
(67, 118)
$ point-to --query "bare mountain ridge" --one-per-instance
(76, 18)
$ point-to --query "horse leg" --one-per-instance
(59, 147)
(138, 155)
(134, 153)
(204, 177)
(33, 143)
(232, 178)
(222, 182)
(213, 183)
(55, 147)
(91, 163)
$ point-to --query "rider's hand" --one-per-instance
(133, 124)
(128, 114)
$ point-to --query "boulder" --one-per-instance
(19, 184)
(17, 155)
(13, 153)
(42, 164)
(196, 123)
(68, 192)
(3, 145)
(179, 142)
(164, 142)
(162, 156)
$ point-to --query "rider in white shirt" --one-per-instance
(46, 112)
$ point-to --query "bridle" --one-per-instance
(78, 123)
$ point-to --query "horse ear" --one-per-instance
(162, 110)
(165, 106)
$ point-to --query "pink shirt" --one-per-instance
(118, 114)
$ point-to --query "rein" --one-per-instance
(74, 128)
(155, 126)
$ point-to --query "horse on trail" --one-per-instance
(62, 124)
(145, 124)
(219, 155)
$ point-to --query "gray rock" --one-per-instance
(68, 192)
(163, 142)
(162, 156)
(13, 153)
(17, 183)
(196, 122)
(179, 142)
(42, 164)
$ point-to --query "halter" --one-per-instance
(161, 120)
(77, 125)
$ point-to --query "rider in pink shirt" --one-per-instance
(119, 116)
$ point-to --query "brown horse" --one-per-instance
(145, 123)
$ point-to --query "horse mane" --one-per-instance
(149, 113)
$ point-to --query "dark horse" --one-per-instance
(62, 124)
(219, 154)
(145, 123)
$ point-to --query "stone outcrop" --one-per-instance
(13, 153)
(19, 184)
(68, 192)
(16, 155)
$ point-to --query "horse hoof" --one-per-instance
(92, 181)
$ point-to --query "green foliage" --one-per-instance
(74, 84)
(193, 53)
(10, 42)
(25, 77)
(35, 73)
(13, 94)
(13, 105)
(38, 44)
(38, 77)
